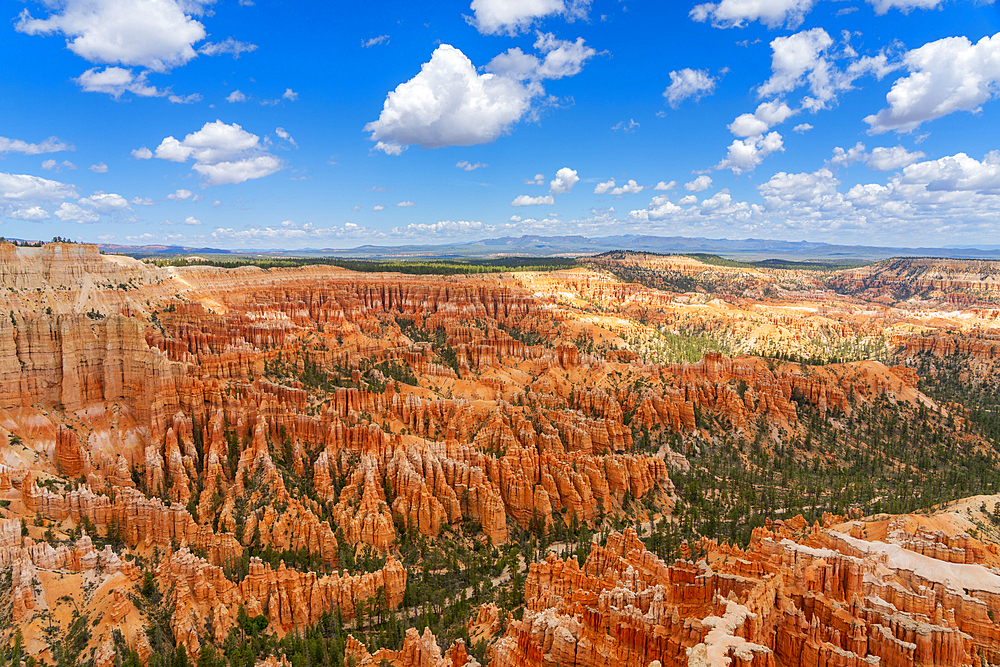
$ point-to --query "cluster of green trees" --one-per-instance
(690, 341)
(787, 264)
(34, 244)
(960, 379)
(671, 347)
(884, 457)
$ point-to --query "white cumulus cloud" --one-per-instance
(237, 171)
(803, 187)
(445, 227)
(25, 188)
(660, 208)
(807, 58)
(699, 184)
(736, 13)
(957, 173)
(891, 158)
(601, 188)
(882, 7)
(955, 196)
(116, 81)
(73, 213)
(29, 214)
(492, 17)
(630, 188)
(880, 158)
(665, 185)
(767, 115)
(99, 168)
(844, 158)
(564, 181)
(469, 166)
(105, 203)
(688, 83)
(155, 34)
(945, 76)
(526, 200)
(796, 57)
(562, 58)
(745, 155)
(449, 104)
(951, 198)
(222, 154)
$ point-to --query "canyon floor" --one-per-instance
(638, 460)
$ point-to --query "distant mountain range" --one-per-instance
(570, 246)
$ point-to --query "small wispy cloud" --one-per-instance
(281, 132)
(52, 165)
(630, 126)
(227, 46)
(185, 99)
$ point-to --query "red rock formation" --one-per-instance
(69, 457)
(141, 520)
(286, 597)
(840, 601)
(366, 519)
(485, 624)
(417, 651)
(901, 278)
(983, 346)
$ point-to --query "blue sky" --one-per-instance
(262, 124)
